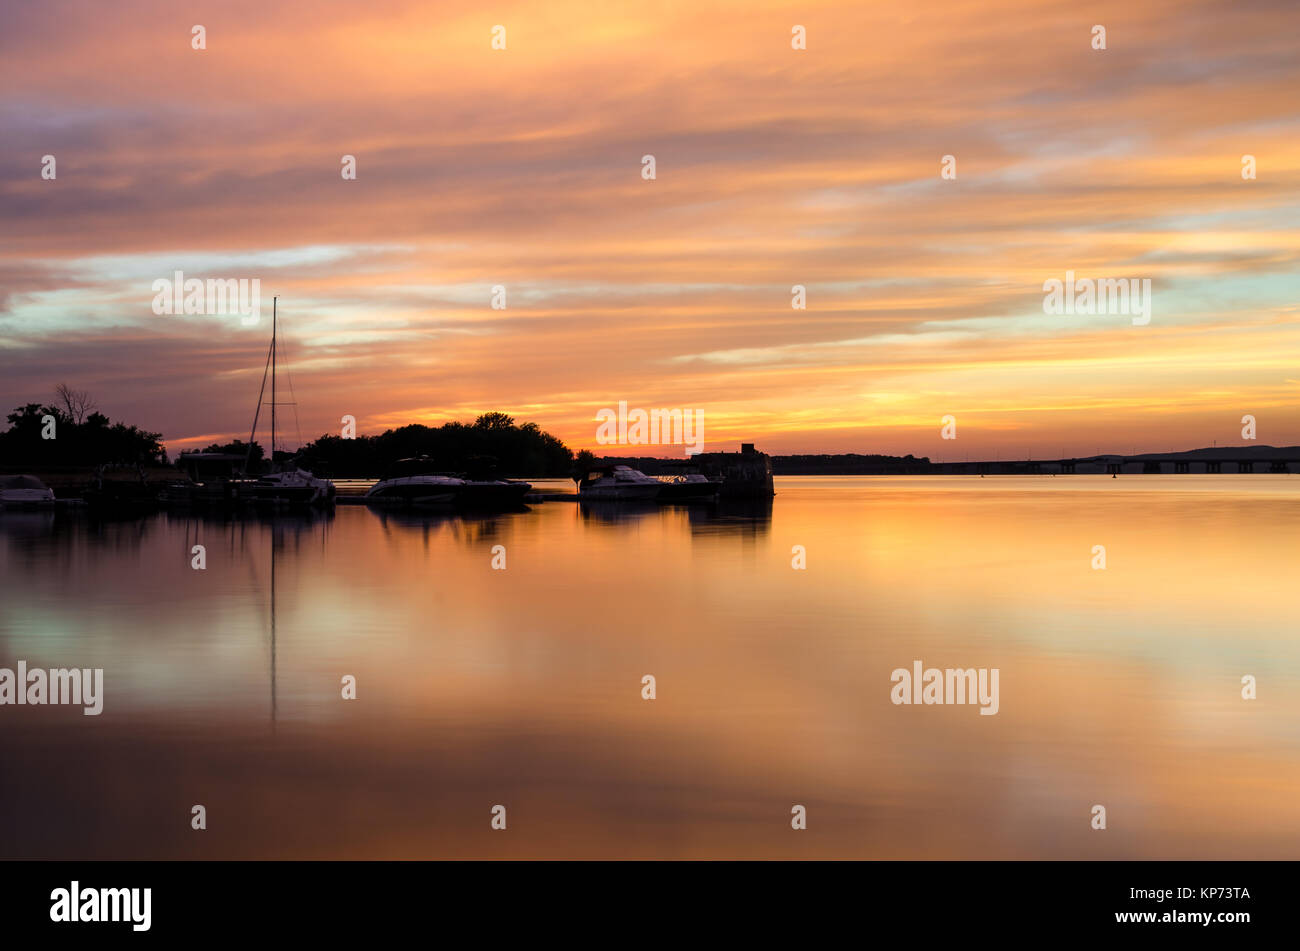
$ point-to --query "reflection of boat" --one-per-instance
(414, 482)
(285, 483)
(618, 484)
(25, 525)
(689, 487)
(466, 526)
(608, 512)
(24, 491)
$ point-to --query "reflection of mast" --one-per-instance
(258, 584)
(274, 301)
(274, 525)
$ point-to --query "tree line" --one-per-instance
(493, 445)
(70, 431)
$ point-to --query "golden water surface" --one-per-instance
(523, 687)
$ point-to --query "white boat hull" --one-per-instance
(26, 498)
(24, 492)
(293, 487)
(416, 490)
(619, 484)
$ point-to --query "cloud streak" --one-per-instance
(522, 168)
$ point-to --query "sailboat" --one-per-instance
(285, 483)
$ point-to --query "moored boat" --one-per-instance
(416, 481)
(413, 482)
(493, 493)
(291, 485)
(286, 483)
(689, 487)
(618, 484)
(213, 480)
(121, 490)
(25, 492)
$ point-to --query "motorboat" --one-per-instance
(618, 484)
(413, 482)
(485, 490)
(492, 493)
(689, 487)
(416, 481)
(24, 492)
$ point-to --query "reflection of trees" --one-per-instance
(55, 540)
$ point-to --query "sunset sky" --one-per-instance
(775, 167)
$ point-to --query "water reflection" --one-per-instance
(751, 517)
(478, 685)
(464, 527)
(616, 512)
(728, 516)
(19, 529)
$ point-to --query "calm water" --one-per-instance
(522, 686)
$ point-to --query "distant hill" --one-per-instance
(1225, 453)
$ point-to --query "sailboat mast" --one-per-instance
(257, 414)
(273, 309)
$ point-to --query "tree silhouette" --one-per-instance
(77, 404)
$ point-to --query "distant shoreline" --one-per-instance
(1226, 460)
